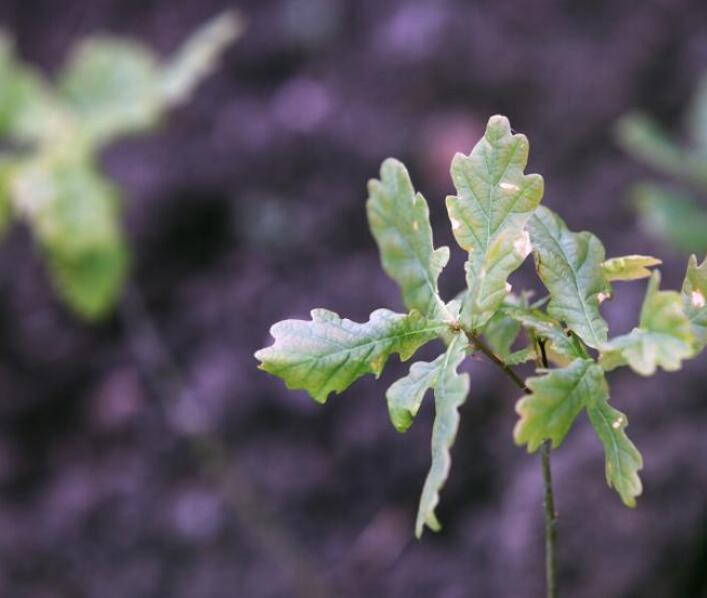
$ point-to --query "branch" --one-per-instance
(486, 350)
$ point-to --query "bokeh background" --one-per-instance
(147, 456)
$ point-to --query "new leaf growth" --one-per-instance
(496, 217)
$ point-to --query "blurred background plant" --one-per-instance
(246, 206)
(54, 131)
(675, 213)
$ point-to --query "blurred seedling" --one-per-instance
(675, 213)
(54, 131)
(50, 179)
(497, 219)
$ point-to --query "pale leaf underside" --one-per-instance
(450, 390)
(328, 353)
(406, 394)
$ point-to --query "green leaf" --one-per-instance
(327, 354)
(694, 296)
(198, 56)
(548, 328)
(629, 267)
(73, 212)
(405, 395)
(623, 461)
(112, 86)
(28, 110)
(557, 398)
(400, 222)
(7, 168)
(90, 281)
(451, 390)
(569, 264)
(493, 203)
(672, 216)
(663, 337)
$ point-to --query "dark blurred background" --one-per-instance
(148, 457)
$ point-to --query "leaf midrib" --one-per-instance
(582, 300)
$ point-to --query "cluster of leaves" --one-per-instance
(497, 219)
(676, 214)
(54, 131)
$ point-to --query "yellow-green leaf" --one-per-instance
(569, 264)
(629, 267)
(400, 222)
(493, 203)
(662, 339)
(328, 353)
(694, 296)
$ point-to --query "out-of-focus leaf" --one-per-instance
(451, 390)
(672, 216)
(400, 222)
(663, 337)
(69, 206)
(629, 267)
(557, 398)
(198, 57)
(642, 136)
(623, 461)
(7, 167)
(90, 281)
(493, 203)
(694, 296)
(569, 264)
(28, 111)
(697, 117)
(327, 354)
(73, 213)
(113, 87)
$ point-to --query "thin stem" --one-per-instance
(486, 350)
(549, 497)
(550, 524)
